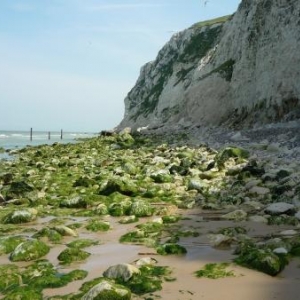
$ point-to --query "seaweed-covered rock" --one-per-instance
(96, 225)
(121, 271)
(237, 215)
(108, 291)
(9, 243)
(170, 248)
(141, 208)
(280, 208)
(82, 243)
(65, 231)
(20, 216)
(29, 250)
(197, 184)
(9, 276)
(129, 219)
(230, 152)
(49, 233)
(261, 259)
(118, 209)
(70, 255)
(20, 187)
(76, 202)
(118, 185)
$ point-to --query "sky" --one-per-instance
(69, 64)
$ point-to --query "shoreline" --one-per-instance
(191, 196)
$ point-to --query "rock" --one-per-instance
(141, 208)
(20, 187)
(118, 185)
(297, 215)
(9, 243)
(145, 261)
(196, 184)
(280, 250)
(230, 152)
(170, 248)
(29, 250)
(70, 255)
(101, 209)
(260, 191)
(220, 240)
(289, 232)
(237, 215)
(258, 219)
(107, 290)
(2, 199)
(20, 216)
(121, 271)
(76, 202)
(279, 208)
(65, 231)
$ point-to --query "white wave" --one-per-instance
(3, 136)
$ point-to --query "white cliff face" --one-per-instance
(241, 71)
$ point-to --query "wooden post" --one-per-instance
(49, 135)
(61, 134)
(30, 134)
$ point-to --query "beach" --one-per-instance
(158, 205)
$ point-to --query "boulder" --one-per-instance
(29, 250)
(141, 208)
(20, 216)
(280, 208)
(107, 290)
(121, 271)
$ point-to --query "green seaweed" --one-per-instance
(214, 271)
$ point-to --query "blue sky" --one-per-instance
(70, 63)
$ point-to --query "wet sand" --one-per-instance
(246, 284)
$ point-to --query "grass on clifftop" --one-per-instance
(212, 21)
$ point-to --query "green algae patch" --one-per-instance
(95, 225)
(82, 243)
(215, 271)
(24, 293)
(70, 255)
(149, 279)
(170, 248)
(29, 250)
(141, 208)
(232, 231)
(9, 243)
(9, 276)
(170, 219)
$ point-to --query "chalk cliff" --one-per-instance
(238, 71)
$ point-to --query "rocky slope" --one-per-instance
(237, 70)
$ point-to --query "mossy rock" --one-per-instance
(230, 152)
(214, 271)
(170, 219)
(76, 202)
(9, 243)
(107, 290)
(70, 255)
(141, 208)
(118, 185)
(129, 219)
(83, 181)
(95, 225)
(162, 178)
(232, 231)
(18, 188)
(51, 234)
(120, 209)
(82, 243)
(263, 259)
(29, 250)
(20, 216)
(170, 248)
(65, 231)
(148, 280)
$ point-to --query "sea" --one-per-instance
(20, 139)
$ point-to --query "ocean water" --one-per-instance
(20, 139)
